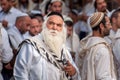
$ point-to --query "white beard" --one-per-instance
(54, 40)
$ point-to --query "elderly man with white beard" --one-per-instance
(45, 57)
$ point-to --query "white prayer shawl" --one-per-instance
(97, 60)
(116, 51)
(73, 43)
(31, 65)
(5, 50)
(110, 37)
(27, 35)
(15, 37)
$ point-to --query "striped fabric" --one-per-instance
(96, 18)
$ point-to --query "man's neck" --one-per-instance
(97, 34)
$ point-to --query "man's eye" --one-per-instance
(59, 25)
(51, 23)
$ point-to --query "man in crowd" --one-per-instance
(96, 55)
(15, 34)
(22, 25)
(35, 28)
(56, 5)
(72, 40)
(46, 54)
(5, 50)
(115, 25)
(8, 14)
(116, 40)
(101, 6)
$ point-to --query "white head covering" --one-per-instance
(55, 1)
(24, 14)
(35, 12)
(67, 18)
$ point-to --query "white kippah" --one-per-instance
(55, 1)
(35, 12)
(96, 18)
(68, 19)
(24, 14)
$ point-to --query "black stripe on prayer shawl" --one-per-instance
(55, 61)
(52, 61)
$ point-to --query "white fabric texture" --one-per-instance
(116, 51)
(15, 37)
(97, 60)
(27, 35)
(5, 50)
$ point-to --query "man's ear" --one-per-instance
(101, 26)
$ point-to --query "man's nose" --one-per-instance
(54, 27)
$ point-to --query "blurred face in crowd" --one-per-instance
(5, 5)
(54, 33)
(40, 22)
(69, 31)
(56, 7)
(34, 28)
(116, 21)
(107, 27)
(101, 5)
(24, 24)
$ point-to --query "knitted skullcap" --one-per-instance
(96, 18)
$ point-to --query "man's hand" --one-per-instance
(8, 66)
(4, 23)
(70, 69)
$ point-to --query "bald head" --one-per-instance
(23, 23)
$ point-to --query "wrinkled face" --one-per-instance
(101, 5)
(55, 23)
(56, 7)
(26, 23)
(35, 27)
(5, 5)
(54, 33)
(107, 27)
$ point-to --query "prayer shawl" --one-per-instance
(43, 60)
(116, 51)
(96, 59)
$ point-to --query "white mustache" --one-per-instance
(53, 32)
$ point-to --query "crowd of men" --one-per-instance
(46, 40)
